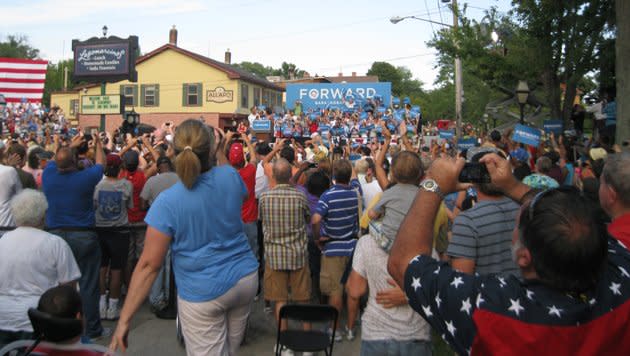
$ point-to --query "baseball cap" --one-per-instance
(113, 160)
(236, 154)
(519, 154)
(131, 159)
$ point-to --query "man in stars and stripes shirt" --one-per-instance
(573, 297)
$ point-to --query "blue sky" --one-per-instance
(323, 37)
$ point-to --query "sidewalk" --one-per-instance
(152, 336)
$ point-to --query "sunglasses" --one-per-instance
(547, 193)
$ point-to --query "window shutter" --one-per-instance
(135, 95)
(157, 94)
(199, 94)
(184, 103)
(143, 90)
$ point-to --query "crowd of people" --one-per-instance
(354, 209)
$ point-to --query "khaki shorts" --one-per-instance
(277, 283)
(330, 276)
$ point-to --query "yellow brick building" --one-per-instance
(175, 84)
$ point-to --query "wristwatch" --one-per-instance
(431, 186)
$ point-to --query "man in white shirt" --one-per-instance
(369, 185)
(10, 187)
(32, 261)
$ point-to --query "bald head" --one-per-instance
(282, 171)
(65, 159)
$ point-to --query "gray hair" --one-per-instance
(617, 174)
(543, 165)
(281, 171)
(29, 208)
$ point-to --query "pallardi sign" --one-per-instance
(219, 95)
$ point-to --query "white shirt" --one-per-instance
(262, 182)
(32, 261)
(10, 187)
(370, 190)
(377, 323)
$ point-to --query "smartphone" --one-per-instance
(474, 173)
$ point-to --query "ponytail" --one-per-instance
(192, 143)
(188, 167)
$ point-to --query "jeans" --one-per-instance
(251, 231)
(395, 348)
(160, 288)
(87, 251)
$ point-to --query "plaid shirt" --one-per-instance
(284, 213)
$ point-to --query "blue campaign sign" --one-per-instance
(336, 95)
(526, 135)
(554, 126)
(467, 143)
(261, 125)
(447, 134)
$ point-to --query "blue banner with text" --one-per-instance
(342, 96)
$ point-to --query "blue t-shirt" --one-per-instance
(570, 171)
(339, 209)
(70, 196)
(209, 247)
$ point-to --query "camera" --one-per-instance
(474, 172)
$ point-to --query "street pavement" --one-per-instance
(152, 336)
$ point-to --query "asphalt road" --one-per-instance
(152, 336)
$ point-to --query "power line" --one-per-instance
(320, 29)
(381, 60)
(427, 7)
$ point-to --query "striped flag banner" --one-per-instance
(22, 79)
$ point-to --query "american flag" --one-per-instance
(22, 79)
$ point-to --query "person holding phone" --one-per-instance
(482, 238)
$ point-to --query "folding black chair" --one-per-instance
(307, 340)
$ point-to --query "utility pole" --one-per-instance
(458, 78)
(65, 78)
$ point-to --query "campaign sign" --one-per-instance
(467, 143)
(554, 126)
(336, 95)
(447, 134)
(526, 135)
(261, 125)
(105, 59)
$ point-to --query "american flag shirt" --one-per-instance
(495, 315)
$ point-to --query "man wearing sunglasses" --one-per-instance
(573, 293)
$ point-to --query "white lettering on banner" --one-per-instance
(336, 93)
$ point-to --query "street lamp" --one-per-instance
(522, 92)
(397, 19)
(105, 31)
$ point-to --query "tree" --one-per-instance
(263, 71)
(17, 46)
(545, 42)
(55, 78)
(401, 78)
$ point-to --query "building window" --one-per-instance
(150, 95)
(244, 96)
(279, 99)
(256, 96)
(131, 94)
(192, 94)
(265, 97)
(74, 107)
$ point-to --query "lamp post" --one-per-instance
(522, 92)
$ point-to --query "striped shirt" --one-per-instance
(339, 209)
(284, 213)
(484, 234)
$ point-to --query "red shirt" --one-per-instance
(620, 229)
(137, 180)
(249, 211)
